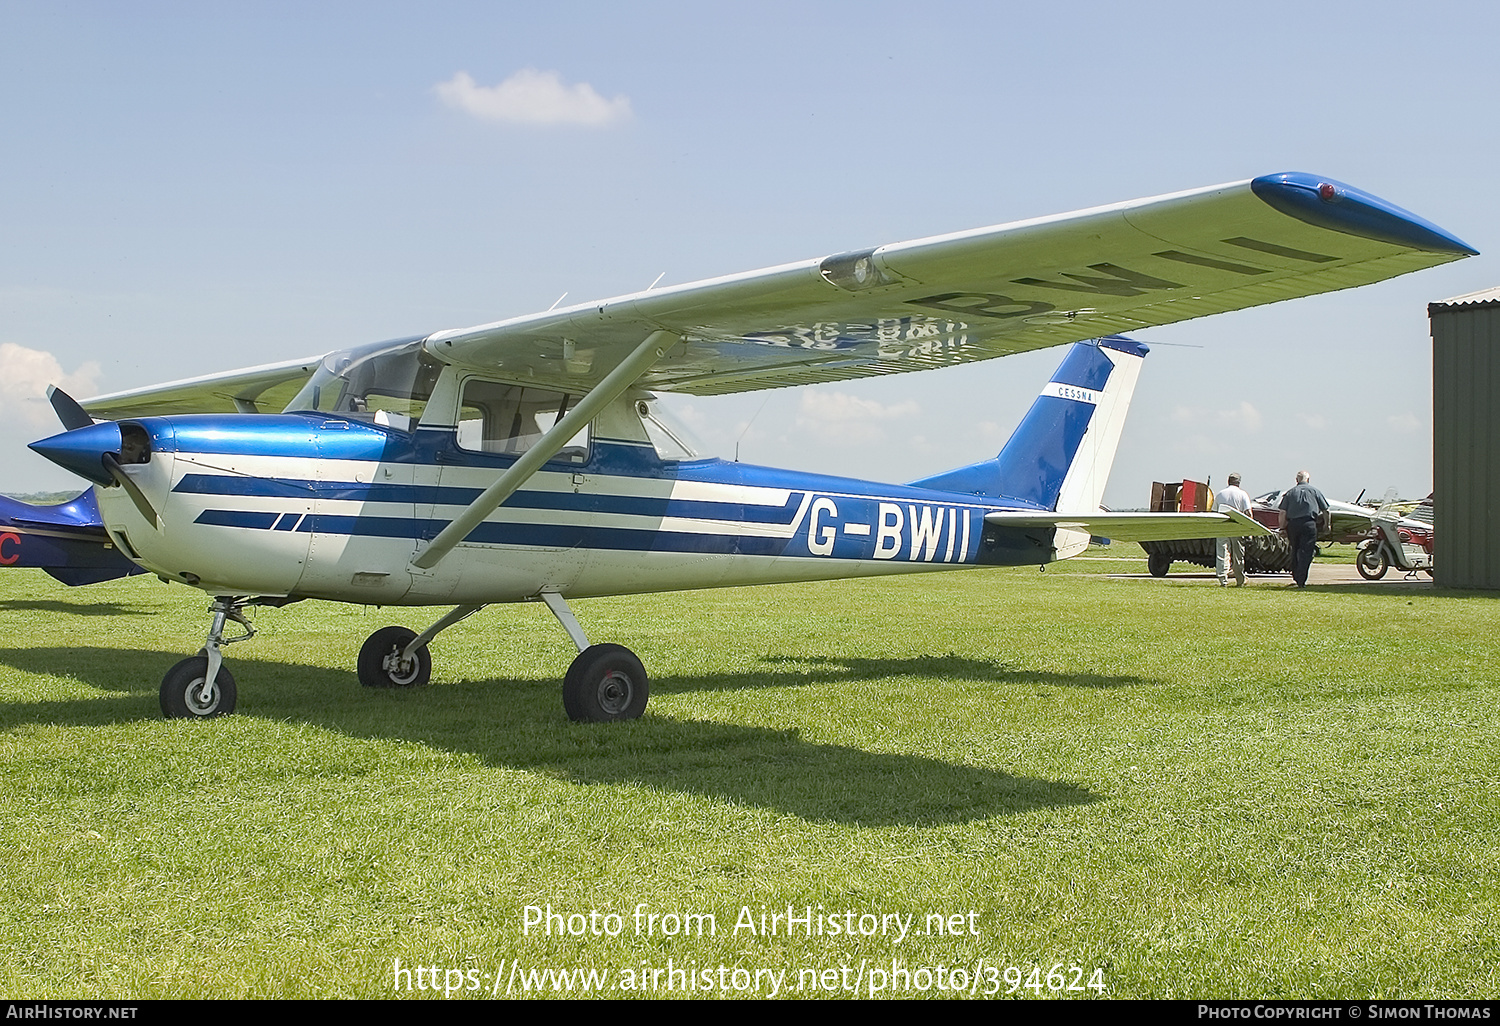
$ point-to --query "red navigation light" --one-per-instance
(1327, 192)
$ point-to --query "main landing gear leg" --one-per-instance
(605, 682)
(200, 687)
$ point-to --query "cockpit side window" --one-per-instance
(510, 419)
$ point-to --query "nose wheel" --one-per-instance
(199, 687)
(187, 693)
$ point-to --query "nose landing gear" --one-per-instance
(199, 687)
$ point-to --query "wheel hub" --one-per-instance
(401, 671)
(615, 692)
(202, 698)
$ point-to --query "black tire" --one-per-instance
(1371, 562)
(181, 691)
(605, 683)
(380, 664)
(1158, 564)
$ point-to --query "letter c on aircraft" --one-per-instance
(10, 548)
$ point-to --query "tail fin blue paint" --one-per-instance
(67, 540)
(1060, 455)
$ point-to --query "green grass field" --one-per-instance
(1166, 790)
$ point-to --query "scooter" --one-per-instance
(1395, 541)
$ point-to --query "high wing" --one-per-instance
(978, 294)
(264, 389)
(932, 302)
(1229, 523)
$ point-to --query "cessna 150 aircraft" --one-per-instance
(528, 460)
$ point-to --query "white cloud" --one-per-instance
(1241, 418)
(24, 377)
(840, 407)
(840, 417)
(531, 97)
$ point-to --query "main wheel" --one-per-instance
(605, 682)
(380, 664)
(1371, 562)
(1158, 564)
(182, 695)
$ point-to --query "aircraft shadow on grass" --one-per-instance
(517, 724)
(821, 669)
(75, 608)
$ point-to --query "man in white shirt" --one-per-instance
(1231, 550)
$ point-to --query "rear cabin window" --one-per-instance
(510, 419)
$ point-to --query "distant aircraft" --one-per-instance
(528, 459)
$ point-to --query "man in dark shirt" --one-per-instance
(1300, 508)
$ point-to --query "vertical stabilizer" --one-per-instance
(1060, 455)
(1083, 488)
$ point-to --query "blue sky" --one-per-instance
(187, 188)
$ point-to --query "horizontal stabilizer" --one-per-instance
(1139, 526)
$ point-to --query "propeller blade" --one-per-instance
(68, 411)
(132, 489)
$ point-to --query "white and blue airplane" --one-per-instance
(528, 460)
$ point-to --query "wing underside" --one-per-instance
(980, 294)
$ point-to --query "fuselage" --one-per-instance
(319, 506)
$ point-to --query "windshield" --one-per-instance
(388, 383)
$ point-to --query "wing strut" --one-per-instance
(625, 374)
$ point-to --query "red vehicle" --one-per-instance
(1263, 554)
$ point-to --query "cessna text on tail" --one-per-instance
(528, 460)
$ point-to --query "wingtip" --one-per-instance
(1336, 206)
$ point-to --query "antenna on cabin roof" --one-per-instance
(747, 426)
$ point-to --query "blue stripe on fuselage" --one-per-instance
(589, 502)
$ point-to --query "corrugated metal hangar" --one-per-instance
(1466, 439)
